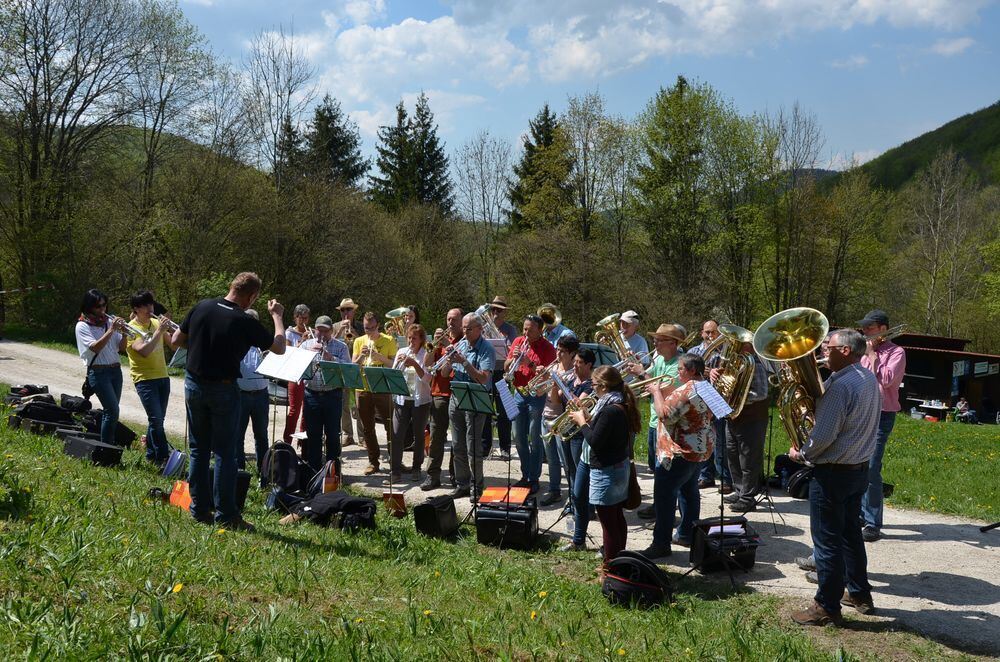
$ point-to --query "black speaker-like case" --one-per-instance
(508, 525)
(436, 517)
(715, 553)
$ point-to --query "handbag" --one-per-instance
(634, 498)
(87, 390)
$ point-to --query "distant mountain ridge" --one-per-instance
(975, 137)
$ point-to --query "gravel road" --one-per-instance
(933, 574)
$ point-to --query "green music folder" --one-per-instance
(340, 375)
(384, 380)
(472, 396)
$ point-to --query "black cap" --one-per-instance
(876, 316)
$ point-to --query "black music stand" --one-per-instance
(603, 354)
(476, 398)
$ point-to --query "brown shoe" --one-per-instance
(726, 488)
(348, 442)
(370, 469)
(866, 607)
(814, 614)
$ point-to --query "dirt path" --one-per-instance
(933, 574)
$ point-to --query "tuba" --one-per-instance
(790, 338)
(549, 314)
(396, 326)
(736, 368)
(609, 334)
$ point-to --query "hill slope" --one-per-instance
(976, 137)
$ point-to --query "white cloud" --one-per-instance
(852, 62)
(949, 47)
(842, 161)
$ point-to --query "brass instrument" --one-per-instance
(690, 341)
(509, 375)
(541, 383)
(736, 368)
(345, 331)
(889, 334)
(637, 387)
(169, 326)
(563, 425)
(610, 334)
(490, 329)
(370, 346)
(549, 314)
(396, 326)
(122, 325)
(445, 359)
(791, 338)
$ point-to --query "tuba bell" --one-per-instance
(736, 368)
(790, 338)
(396, 326)
(549, 314)
(609, 334)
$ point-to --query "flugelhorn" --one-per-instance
(791, 338)
(563, 424)
(445, 358)
(541, 383)
(639, 385)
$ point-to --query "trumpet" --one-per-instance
(169, 326)
(122, 325)
(345, 331)
(370, 347)
(512, 370)
(445, 359)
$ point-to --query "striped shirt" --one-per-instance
(846, 419)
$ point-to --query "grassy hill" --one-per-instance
(976, 138)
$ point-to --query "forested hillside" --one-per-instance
(160, 166)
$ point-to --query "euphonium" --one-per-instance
(609, 334)
(790, 337)
(490, 329)
(735, 368)
(396, 325)
(563, 424)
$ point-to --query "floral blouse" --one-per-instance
(685, 427)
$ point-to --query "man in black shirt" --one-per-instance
(217, 335)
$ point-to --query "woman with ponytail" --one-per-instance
(609, 432)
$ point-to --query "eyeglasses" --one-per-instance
(836, 346)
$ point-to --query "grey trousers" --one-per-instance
(439, 434)
(467, 445)
(410, 421)
(745, 453)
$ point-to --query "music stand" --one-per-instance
(476, 398)
(603, 354)
(340, 375)
(391, 381)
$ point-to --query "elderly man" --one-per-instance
(887, 361)
(440, 400)
(709, 332)
(629, 325)
(472, 361)
(840, 447)
(717, 465)
(322, 401)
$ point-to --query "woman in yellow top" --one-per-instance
(149, 372)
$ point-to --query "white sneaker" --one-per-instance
(570, 524)
(573, 547)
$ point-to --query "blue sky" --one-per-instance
(875, 73)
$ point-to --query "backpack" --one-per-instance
(74, 403)
(28, 389)
(784, 467)
(327, 479)
(798, 483)
(46, 412)
(283, 468)
(339, 510)
(632, 580)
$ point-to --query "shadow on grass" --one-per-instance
(927, 623)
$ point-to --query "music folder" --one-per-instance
(294, 365)
(384, 380)
(720, 408)
(472, 396)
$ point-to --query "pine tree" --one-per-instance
(542, 168)
(333, 146)
(291, 157)
(395, 188)
(430, 166)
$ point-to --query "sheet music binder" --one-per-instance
(603, 354)
(720, 408)
(294, 365)
(384, 380)
(472, 396)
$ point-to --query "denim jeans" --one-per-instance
(153, 394)
(467, 446)
(718, 465)
(107, 385)
(528, 435)
(213, 410)
(321, 412)
(680, 480)
(569, 455)
(253, 409)
(500, 420)
(552, 457)
(871, 505)
(581, 501)
(834, 506)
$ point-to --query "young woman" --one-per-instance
(608, 433)
(685, 439)
(409, 416)
(99, 341)
(149, 372)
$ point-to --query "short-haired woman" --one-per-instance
(609, 432)
(100, 341)
(149, 372)
(409, 415)
(685, 438)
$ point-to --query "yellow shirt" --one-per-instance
(142, 367)
(385, 345)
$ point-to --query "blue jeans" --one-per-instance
(717, 465)
(253, 409)
(213, 410)
(322, 411)
(528, 436)
(871, 505)
(107, 385)
(153, 394)
(834, 505)
(501, 421)
(680, 480)
(581, 501)
(552, 456)
(569, 455)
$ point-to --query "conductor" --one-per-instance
(218, 334)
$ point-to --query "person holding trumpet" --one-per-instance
(148, 368)
(528, 355)
(321, 402)
(100, 338)
(472, 361)
(294, 337)
(374, 349)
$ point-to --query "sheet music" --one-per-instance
(499, 348)
(290, 366)
(506, 399)
(726, 530)
(707, 392)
